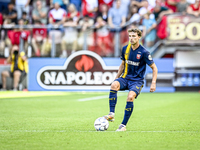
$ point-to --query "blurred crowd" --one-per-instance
(66, 22)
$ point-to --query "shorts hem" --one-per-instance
(135, 92)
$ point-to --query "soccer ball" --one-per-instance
(101, 124)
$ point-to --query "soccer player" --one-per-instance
(130, 75)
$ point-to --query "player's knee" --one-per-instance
(115, 86)
(131, 97)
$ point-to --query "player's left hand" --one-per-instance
(153, 87)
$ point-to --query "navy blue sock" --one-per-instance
(112, 100)
(128, 112)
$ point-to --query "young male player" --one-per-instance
(130, 76)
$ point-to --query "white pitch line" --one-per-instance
(57, 131)
(97, 97)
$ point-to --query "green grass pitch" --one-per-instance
(65, 121)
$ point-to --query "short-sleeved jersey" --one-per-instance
(135, 62)
(57, 15)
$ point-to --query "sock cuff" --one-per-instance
(129, 104)
(113, 91)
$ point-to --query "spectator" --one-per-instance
(191, 1)
(57, 17)
(10, 18)
(89, 8)
(40, 13)
(160, 2)
(77, 4)
(133, 16)
(85, 23)
(10, 15)
(24, 17)
(73, 15)
(160, 11)
(116, 16)
(124, 6)
(145, 9)
(172, 4)
(22, 6)
(4, 4)
(149, 31)
(41, 43)
(19, 67)
(108, 3)
(194, 9)
(103, 38)
(14, 36)
(103, 12)
(24, 35)
(62, 3)
(70, 37)
(182, 6)
(138, 3)
(152, 3)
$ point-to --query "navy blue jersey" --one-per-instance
(135, 62)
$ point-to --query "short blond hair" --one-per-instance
(135, 30)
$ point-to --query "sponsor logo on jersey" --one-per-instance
(132, 63)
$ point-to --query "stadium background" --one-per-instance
(176, 44)
(83, 54)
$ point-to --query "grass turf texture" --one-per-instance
(58, 120)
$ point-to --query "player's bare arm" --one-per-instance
(121, 69)
(154, 78)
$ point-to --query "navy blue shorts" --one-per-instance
(130, 85)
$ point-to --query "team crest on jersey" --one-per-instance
(138, 56)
